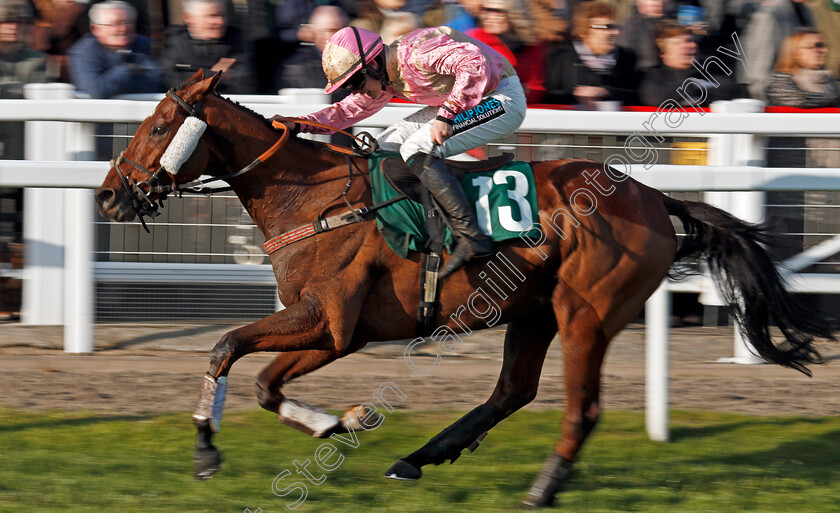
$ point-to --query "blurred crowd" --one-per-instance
(594, 54)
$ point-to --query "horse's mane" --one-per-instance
(257, 115)
(243, 108)
(316, 145)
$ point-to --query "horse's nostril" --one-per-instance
(104, 196)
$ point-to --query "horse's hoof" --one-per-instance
(206, 464)
(403, 471)
(361, 417)
(548, 482)
(535, 502)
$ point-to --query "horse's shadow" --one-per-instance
(71, 422)
(690, 432)
(157, 336)
(802, 459)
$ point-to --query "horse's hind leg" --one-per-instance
(584, 345)
(526, 343)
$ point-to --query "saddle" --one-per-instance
(404, 181)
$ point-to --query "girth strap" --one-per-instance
(325, 225)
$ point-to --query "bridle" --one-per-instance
(140, 200)
(364, 144)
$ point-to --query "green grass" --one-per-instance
(717, 463)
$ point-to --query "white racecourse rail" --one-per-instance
(58, 181)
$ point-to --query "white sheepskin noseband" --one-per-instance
(183, 144)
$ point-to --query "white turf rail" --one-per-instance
(56, 179)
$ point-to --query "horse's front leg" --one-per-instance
(300, 326)
(301, 416)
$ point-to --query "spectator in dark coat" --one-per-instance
(112, 59)
(678, 48)
(590, 68)
(638, 35)
(303, 69)
(207, 42)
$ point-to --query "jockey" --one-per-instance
(473, 95)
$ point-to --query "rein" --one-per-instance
(144, 206)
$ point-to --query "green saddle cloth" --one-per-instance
(504, 200)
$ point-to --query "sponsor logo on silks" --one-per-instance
(489, 108)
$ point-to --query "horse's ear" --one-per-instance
(198, 76)
(202, 88)
(214, 80)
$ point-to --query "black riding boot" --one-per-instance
(472, 242)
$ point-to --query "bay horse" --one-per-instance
(607, 243)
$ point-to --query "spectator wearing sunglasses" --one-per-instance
(799, 78)
(473, 97)
(590, 68)
(769, 26)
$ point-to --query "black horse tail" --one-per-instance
(750, 284)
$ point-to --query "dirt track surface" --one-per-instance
(153, 369)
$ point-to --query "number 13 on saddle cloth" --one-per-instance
(504, 200)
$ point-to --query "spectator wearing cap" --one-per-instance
(112, 59)
(590, 67)
(206, 41)
(18, 63)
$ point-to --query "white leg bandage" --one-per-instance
(183, 144)
(306, 418)
(211, 402)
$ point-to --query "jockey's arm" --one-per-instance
(469, 67)
(346, 113)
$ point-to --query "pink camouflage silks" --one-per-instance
(434, 66)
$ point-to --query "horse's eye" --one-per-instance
(159, 130)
